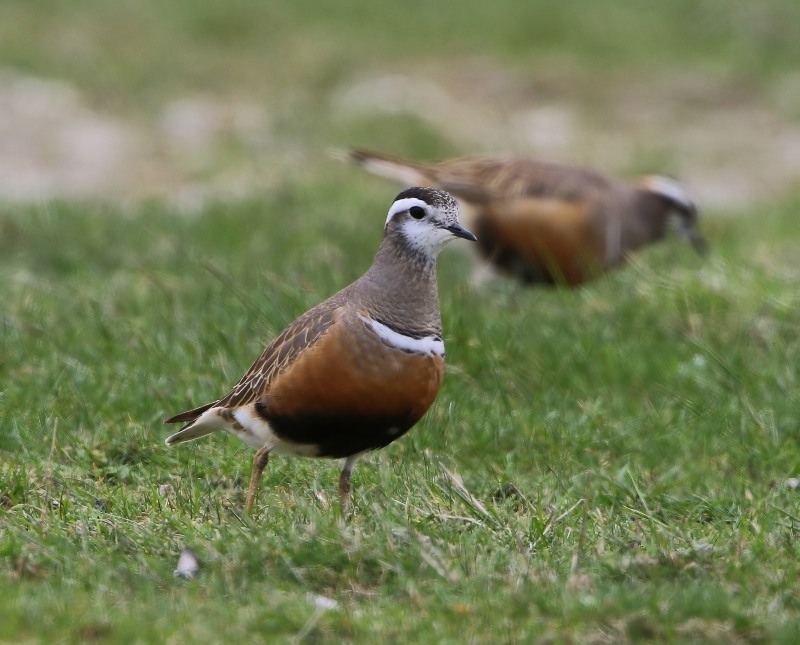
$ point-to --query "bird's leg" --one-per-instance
(344, 489)
(259, 463)
(344, 481)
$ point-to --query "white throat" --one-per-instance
(425, 237)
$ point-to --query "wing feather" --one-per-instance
(299, 336)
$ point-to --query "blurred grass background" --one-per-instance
(180, 98)
(168, 206)
(132, 53)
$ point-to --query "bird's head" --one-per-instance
(425, 219)
(676, 197)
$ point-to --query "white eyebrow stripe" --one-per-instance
(429, 345)
(404, 204)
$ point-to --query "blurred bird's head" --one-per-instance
(677, 197)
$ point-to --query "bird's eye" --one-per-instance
(417, 212)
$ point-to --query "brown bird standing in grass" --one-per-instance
(357, 371)
(547, 222)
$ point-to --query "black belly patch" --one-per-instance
(340, 436)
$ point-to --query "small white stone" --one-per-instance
(325, 603)
(703, 548)
(188, 565)
(793, 483)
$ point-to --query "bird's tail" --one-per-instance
(199, 422)
(400, 170)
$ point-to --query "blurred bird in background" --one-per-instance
(546, 222)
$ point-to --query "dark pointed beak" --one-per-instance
(688, 231)
(460, 231)
(697, 241)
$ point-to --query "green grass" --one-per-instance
(649, 422)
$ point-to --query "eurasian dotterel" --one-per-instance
(357, 371)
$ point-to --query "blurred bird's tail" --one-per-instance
(400, 170)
